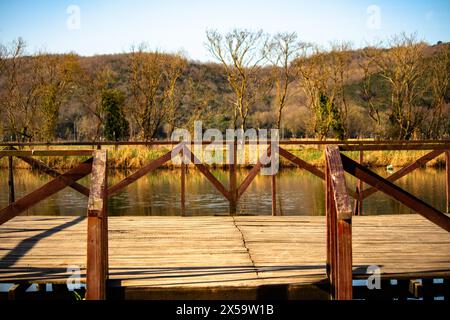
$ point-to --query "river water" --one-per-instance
(158, 193)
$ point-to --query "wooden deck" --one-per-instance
(170, 254)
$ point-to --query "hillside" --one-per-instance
(203, 93)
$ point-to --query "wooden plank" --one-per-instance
(305, 165)
(301, 163)
(97, 230)
(396, 192)
(339, 226)
(330, 229)
(233, 189)
(183, 185)
(252, 174)
(338, 183)
(45, 153)
(41, 166)
(358, 207)
(163, 252)
(344, 260)
(45, 191)
(447, 180)
(248, 179)
(144, 170)
(202, 168)
(11, 196)
(274, 194)
(405, 170)
(349, 142)
(394, 147)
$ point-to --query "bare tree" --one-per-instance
(402, 67)
(175, 67)
(438, 82)
(18, 97)
(153, 77)
(240, 52)
(56, 81)
(281, 51)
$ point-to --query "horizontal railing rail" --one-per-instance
(351, 143)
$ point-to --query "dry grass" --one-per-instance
(132, 157)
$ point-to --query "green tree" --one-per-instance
(329, 118)
(116, 125)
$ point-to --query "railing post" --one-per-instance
(339, 227)
(359, 205)
(331, 226)
(97, 234)
(233, 179)
(12, 196)
(447, 180)
(274, 194)
(183, 184)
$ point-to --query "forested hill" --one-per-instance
(47, 97)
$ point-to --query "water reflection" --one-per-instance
(158, 193)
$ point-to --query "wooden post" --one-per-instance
(183, 184)
(97, 234)
(447, 180)
(274, 194)
(339, 224)
(360, 186)
(330, 227)
(233, 179)
(12, 196)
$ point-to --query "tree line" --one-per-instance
(396, 89)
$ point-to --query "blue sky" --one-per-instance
(171, 25)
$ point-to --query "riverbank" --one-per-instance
(133, 157)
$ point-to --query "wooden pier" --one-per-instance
(221, 257)
(230, 257)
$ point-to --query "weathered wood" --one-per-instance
(233, 189)
(45, 191)
(274, 194)
(397, 147)
(144, 170)
(405, 170)
(97, 230)
(447, 180)
(202, 168)
(339, 227)
(344, 283)
(301, 163)
(11, 196)
(163, 253)
(252, 174)
(338, 183)
(351, 143)
(305, 165)
(248, 179)
(45, 153)
(396, 192)
(183, 184)
(41, 166)
(330, 228)
(358, 207)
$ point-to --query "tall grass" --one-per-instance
(132, 157)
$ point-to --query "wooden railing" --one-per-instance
(339, 214)
(97, 233)
(338, 205)
(339, 227)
